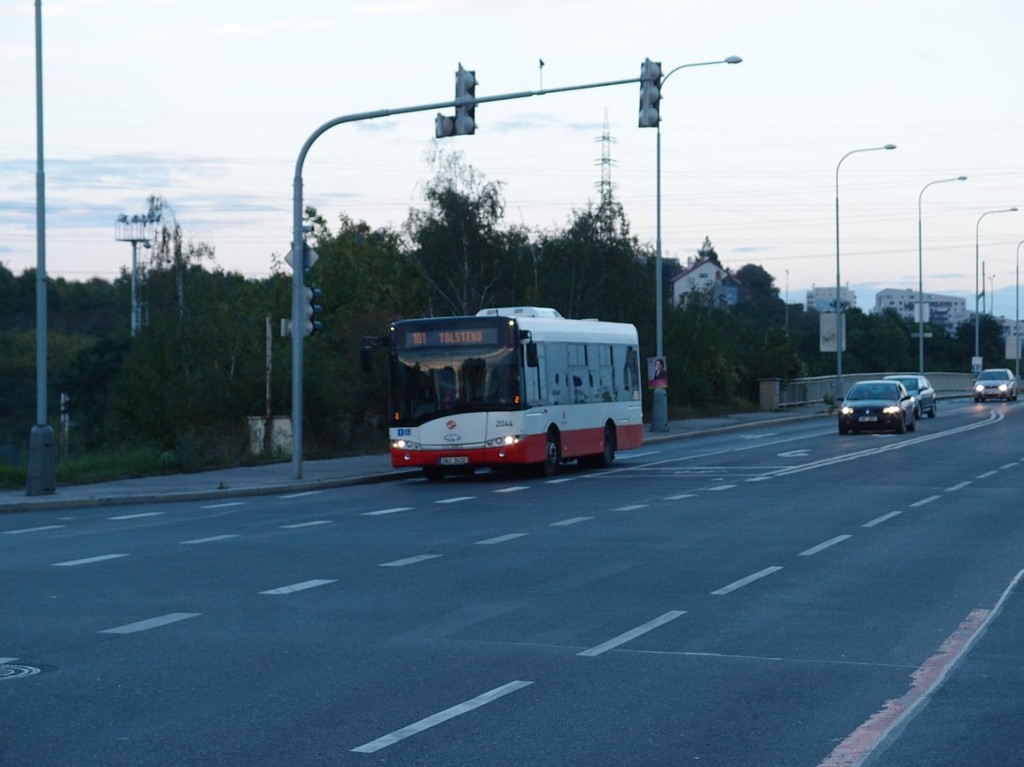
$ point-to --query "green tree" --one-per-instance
(457, 240)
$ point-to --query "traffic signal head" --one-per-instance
(444, 126)
(313, 310)
(465, 88)
(650, 93)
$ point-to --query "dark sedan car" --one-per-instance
(921, 390)
(877, 405)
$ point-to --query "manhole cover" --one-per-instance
(9, 671)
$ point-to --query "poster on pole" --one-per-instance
(827, 335)
(657, 373)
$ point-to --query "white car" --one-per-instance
(995, 383)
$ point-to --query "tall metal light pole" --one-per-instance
(136, 230)
(41, 468)
(920, 275)
(659, 403)
(839, 303)
(977, 292)
(1016, 315)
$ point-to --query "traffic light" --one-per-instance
(650, 93)
(313, 310)
(465, 87)
(444, 126)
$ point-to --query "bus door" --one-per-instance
(533, 381)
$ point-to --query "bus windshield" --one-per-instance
(432, 381)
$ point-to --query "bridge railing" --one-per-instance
(776, 394)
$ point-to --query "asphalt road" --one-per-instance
(777, 596)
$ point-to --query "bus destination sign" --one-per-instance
(468, 336)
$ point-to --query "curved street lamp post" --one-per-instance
(1016, 315)
(659, 405)
(977, 291)
(839, 302)
(920, 275)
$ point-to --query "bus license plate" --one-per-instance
(454, 460)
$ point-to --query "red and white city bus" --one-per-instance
(511, 386)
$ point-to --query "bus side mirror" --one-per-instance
(366, 358)
(531, 354)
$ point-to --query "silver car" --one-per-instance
(995, 383)
(921, 390)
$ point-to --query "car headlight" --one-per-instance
(1003, 387)
(891, 409)
(847, 410)
(979, 387)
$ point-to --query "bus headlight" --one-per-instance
(404, 444)
(506, 441)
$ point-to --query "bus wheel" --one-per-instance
(433, 474)
(552, 453)
(607, 457)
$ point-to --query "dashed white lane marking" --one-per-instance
(33, 529)
(680, 497)
(297, 525)
(559, 481)
(822, 546)
(297, 587)
(1009, 465)
(440, 717)
(88, 561)
(381, 512)
(7, 660)
(924, 501)
(747, 581)
(501, 539)
(151, 623)
(632, 634)
(632, 507)
(881, 519)
(721, 487)
(514, 489)
(959, 486)
(300, 495)
(138, 516)
(570, 521)
(225, 505)
(211, 539)
(987, 474)
(410, 560)
(456, 499)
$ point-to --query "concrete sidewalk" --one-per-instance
(277, 478)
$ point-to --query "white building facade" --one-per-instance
(948, 311)
(824, 299)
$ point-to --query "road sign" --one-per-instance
(311, 258)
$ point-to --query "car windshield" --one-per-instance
(874, 391)
(994, 375)
(909, 381)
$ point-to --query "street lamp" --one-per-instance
(977, 293)
(659, 406)
(1016, 315)
(920, 275)
(839, 303)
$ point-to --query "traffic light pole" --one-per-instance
(298, 232)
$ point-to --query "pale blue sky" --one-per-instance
(208, 104)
